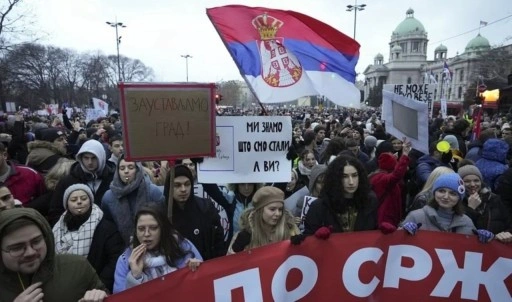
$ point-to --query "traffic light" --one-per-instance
(218, 98)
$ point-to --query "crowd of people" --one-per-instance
(78, 221)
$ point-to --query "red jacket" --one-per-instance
(24, 183)
(388, 188)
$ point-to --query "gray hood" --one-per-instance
(96, 148)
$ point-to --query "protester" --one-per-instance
(493, 161)
(83, 230)
(421, 199)
(346, 203)
(7, 201)
(267, 222)
(306, 163)
(46, 151)
(31, 271)
(445, 211)
(239, 198)
(128, 191)
(157, 249)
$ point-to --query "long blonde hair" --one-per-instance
(57, 172)
(252, 221)
(433, 176)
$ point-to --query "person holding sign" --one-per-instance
(157, 249)
(267, 222)
(346, 203)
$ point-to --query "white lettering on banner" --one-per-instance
(248, 280)
(471, 276)
(309, 272)
(350, 274)
(308, 200)
(395, 271)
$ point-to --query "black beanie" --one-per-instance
(182, 170)
(383, 147)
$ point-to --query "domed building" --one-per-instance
(408, 64)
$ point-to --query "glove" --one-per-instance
(292, 153)
(387, 228)
(297, 239)
(484, 236)
(411, 227)
(242, 240)
(323, 232)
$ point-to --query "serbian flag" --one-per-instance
(100, 105)
(285, 55)
(447, 71)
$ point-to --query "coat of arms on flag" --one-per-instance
(280, 68)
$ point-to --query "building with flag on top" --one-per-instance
(407, 63)
(285, 55)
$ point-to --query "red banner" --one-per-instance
(365, 266)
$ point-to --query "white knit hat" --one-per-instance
(74, 188)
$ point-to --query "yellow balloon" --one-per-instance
(443, 146)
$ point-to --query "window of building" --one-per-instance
(415, 47)
(449, 93)
(435, 93)
(461, 79)
(404, 47)
(409, 80)
(437, 78)
(459, 94)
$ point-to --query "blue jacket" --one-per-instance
(425, 165)
(493, 162)
(123, 267)
(239, 208)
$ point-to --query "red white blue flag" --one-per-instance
(447, 72)
(284, 55)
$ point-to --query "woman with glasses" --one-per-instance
(156, 249)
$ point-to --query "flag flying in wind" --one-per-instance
(432, 78)
(447, 72)
(284, 55)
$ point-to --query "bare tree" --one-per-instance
(231, 93)
(15, 23)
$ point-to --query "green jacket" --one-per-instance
(64, 277)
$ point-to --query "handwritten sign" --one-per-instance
(163, 121)
(250, 149)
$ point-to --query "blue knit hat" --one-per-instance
(451, 181)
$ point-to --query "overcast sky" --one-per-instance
(158, 32)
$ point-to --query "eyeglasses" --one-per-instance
(18, 250)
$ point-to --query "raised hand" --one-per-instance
(33, 293)
(136, 261)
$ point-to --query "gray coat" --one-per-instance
(428, 217)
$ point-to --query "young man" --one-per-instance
(31, 271)
(116, 147)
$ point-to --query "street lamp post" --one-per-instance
(187, 56)
(118, 41)
(355, 8)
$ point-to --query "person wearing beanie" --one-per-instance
(445, 211)
(195, 218)
(130, 189)
(91, 169)
(267, 222)
(370, 143)
(82, 230)
(485, 208)
(388, 184)
(372, 164)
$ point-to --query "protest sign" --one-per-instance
(308, 200)
(93, 114)
(406, 117)
(250, 149)
(355, 266)
(418, 92)
(164, 121)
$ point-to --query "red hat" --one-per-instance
(387, 161)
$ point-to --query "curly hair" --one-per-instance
(333, 179)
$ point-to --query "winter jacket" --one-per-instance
(123, 274)
(504, 189)
(99, 180)
(236, 209)
(25, 183)
(474, 151)
(43, 155)
(493, 162)
(64, 277)
(320, 214)
(388, 187)
(428, 217)
(491, 214)
(426, 164)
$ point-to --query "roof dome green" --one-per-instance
(409, 25)
(441, 48)
(478, 43)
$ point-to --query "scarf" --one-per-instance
(124, 213)
(76, 242)
(305, 170)
(155, 266)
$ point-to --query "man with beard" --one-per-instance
(31, 271)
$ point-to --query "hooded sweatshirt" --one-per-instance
(64, 277)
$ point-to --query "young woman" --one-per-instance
(306, 163)
(157, 249)
(421, 199)
(346, 202)
(129, 189)
(239, 197)
(267, 222)
(445, 211)
(485, 208)
(82, 230)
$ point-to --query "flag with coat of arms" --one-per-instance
(285, 55)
